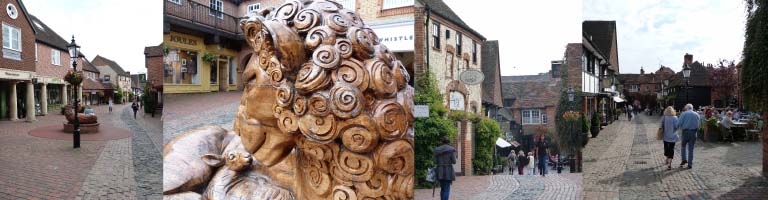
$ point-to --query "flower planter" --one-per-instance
(595, 130)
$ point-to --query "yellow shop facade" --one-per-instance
(192, 66)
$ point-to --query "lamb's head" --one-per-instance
(235, 160)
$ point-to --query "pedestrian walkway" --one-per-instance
(41, 168)
(625, 162)
(553, 186)
(185, 112)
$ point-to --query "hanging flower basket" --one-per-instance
(571, 116)
(73, 78)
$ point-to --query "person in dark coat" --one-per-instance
(522, 161)
(445, 157)
(135, 107)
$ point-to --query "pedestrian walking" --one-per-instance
(110, 106)
(135, 107)
(522, 161)
(445, 157)
(630, 111)
(542, 151)
(531, 164)
(689, 122)
(512, 161)
(669, 136)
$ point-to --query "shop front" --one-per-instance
(16, 89)
(190, 66)
(399, 38)
(49, 94)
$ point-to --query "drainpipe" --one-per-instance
(426, 37)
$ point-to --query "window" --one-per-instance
(106, 78)
(456, 101)
(11, 42)
(217, 9)
(182, 68)
(347, 4)
(447, 34)
(544, 118)
(634, 88)
(56, 57)
(176, 1)
(508, 102)
(254, 7)
(389, 4)
(436, 35)
(474, 52)
(458, 44)
(531, 116)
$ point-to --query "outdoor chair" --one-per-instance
(755, 132)
(728, 132)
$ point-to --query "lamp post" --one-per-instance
(686, 75)
(74, 51)
(576, 135)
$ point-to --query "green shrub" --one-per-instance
(430, 130)
(118, 97)
(486, 132)
(595, 119)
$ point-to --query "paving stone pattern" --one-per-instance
(626, 162)
(504, 187)
(147, 160)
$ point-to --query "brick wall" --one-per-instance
(573, 58)
(45, 67)
(155, 71)
(533, 129)
(27, 62)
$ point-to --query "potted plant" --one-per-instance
(584, 129)
(73, 78)
(712, 132)
(595, 125)
(210, 58)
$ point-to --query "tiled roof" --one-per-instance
(112, 64)
(699, 76)
(491, 70)
(602, 33)
(153, 51)
(89, 84)
(537, 77)
(532, 94)
(46, 35)
(440, 8)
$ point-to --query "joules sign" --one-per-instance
(183, 40)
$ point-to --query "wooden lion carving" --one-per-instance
(326, 108)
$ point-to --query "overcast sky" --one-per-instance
(654, 32)
(530, 33)
(115, 29)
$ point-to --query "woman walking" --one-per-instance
(669, 136)
(445, 157)
(512, 162)
(522, 161)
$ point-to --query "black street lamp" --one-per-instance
(686, 75)
(74, 51)
(577, 149)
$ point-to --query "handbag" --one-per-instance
(660, 132)
(431, 175)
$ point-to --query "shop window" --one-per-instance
(216, 9)
(232, 71)
(11, 42)
(56, 57)
(182, 67)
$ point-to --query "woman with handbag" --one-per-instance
(667, 134)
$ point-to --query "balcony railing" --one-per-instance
(202, 14)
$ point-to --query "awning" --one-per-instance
(502, 143)
(618, 99)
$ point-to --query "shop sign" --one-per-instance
(420, 111)
(471, 77)
(397, 38)
(17, 75)
(183, 40)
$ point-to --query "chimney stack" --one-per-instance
(555, 70)
(688, 59)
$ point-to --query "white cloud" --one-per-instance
(116, 29)
(661, 32)
(531, 33)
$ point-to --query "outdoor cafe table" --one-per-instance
(739, 129)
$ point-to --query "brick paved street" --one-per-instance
(188, 111)
(625, 162)
(39, 168)
(553, 186)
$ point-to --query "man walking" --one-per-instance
(689, 122)
(542, 152)
(110, 106)
(445, 157)
(135, 107)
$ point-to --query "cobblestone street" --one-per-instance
(189, 111)
(625, 162)
(40, 168)
(553, 186)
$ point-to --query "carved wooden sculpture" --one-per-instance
(326, 112)
(83, 118)
(322, 87)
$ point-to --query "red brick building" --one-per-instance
(153, 61)
(533, 100)
(17, 64)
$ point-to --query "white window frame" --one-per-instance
(14, 33)
(216, 5)
(56, 57)
(348, 4)
(175, 1)
(256, 7)
(458, 44)
(436, 34)
(528, 117)
(390, 4)
(544, 117)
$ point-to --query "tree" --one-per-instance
(754, 67)
(148, 98)
(429, 131)
(486, 132)
(723, 78)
